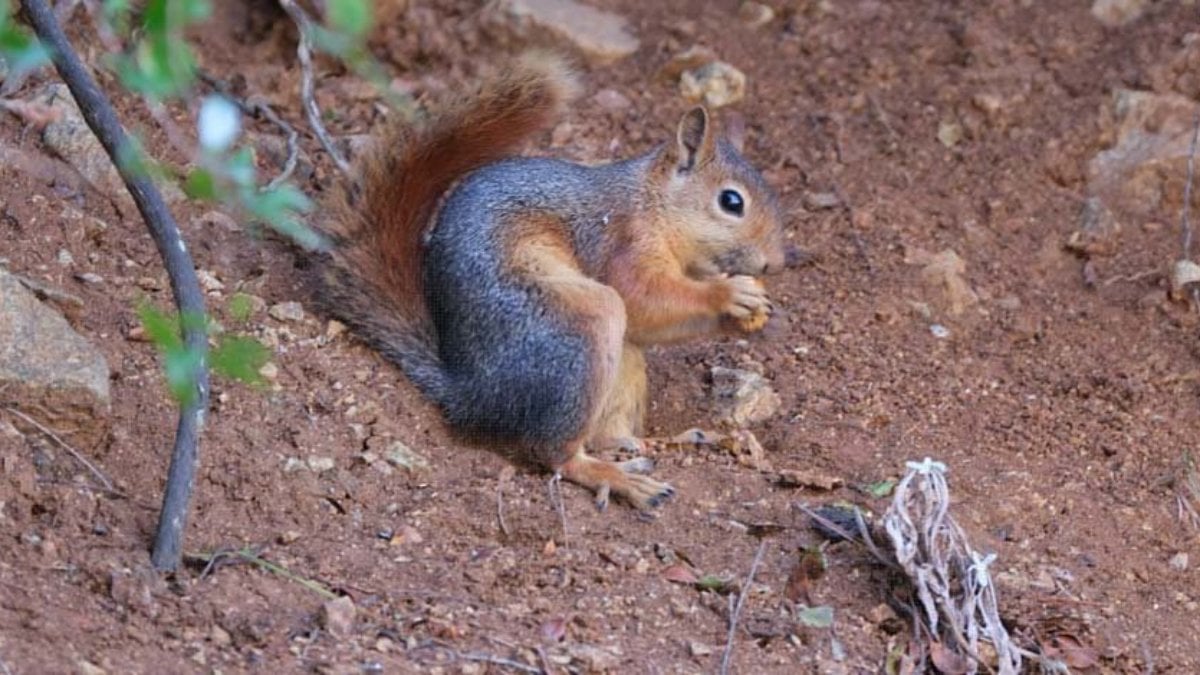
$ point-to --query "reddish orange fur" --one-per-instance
(411, 167)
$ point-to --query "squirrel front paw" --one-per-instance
(748, 303)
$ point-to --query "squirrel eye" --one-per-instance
(731, 202)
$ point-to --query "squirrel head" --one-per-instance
(721, 216)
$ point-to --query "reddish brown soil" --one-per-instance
(1063, 410)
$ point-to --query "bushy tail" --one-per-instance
(372, 279)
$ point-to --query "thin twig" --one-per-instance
(556, 498)
(500, 509)
(304, 52)
(104, 481)
(737, 609)
(479, 656)
(1185, 225)
(189, 299)
(256, 106)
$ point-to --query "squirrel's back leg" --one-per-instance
(598, 312)
(621, 422)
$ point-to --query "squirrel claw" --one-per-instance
(602, 497)
(642, 465)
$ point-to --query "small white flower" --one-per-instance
(218, 124)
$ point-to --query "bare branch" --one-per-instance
(304, 52)
(189, 299)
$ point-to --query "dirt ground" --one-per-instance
(1063, 399)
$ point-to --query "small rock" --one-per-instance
(1183, 276)
(335, 329)
(289, 537)
(946, 271)
(89, 668)
(1144, 171)
(602, 37)
(717, 84)
(596, 659)
(209, 281)
(949, 133)
(287, 311)
(1117, 13)
(820, 201)
(405, 457)
(698, 649)
(1179, 562)
(939, 331)
(337, 616)
(691, 58)
(755, 14)
(1099, 231)
(217, 219)
(611, 100)
(269, 371)
(65, 258)
(743, 396)
(220, 637)
(320, 464)
(149, 284)
(90, 278)
(806, 478)
(59, 377)
(989, 104)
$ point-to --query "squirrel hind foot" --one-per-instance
(620, 479)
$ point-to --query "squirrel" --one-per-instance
(518, 293)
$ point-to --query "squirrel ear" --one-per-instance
(695, 139)
(735, 131)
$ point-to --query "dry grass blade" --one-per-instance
(737, 608)
(104, 481)
(958, 601)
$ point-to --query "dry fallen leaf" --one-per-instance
(554, 630)
(680, 575)
(1071, 651)
(807, 572)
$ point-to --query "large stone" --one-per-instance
(1145, 169)
(1117, 13)
(47, 369)
(69, 137)
(601, 37)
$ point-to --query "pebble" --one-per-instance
(744, 397)
(717, 84)
(691, 58)
(755, 14)
(290, 311)
(602, 37)
(337, 616)
(321, 464)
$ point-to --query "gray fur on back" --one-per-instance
(516, 371)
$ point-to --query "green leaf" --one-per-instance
(240, 358)
(201, 184)
(815, 617)
(712, 582)
(180, 366)
(240, 307)
(351, 17)
(881, 489)
(163, 330)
